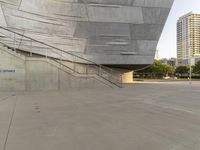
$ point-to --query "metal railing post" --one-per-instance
(46, 53)
(100, 69)
(74, 65)
(14, 43)
(31, 48)
(87, 69)
(61, 59)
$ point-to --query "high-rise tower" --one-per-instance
(188, 37)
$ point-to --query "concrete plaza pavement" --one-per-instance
(141, 116)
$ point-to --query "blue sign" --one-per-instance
(7, 70)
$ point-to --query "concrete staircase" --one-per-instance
(79, 71)
(77, 66)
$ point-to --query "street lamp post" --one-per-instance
(190, 69)
(190, 64)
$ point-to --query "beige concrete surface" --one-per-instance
(127, 77)
(161, 116)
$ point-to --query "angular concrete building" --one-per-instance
(119, 34)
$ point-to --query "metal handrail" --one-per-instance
(82, 73)
(87, 60)
(101, 67)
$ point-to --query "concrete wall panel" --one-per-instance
(2, 18)
(146, 47)
(155, 15)
(113, 14)
(55, 9)
(91, 30)
(154, 3)
(112, 47)
(12, 2)
(146, 32)
(108, 2)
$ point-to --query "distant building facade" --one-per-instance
(188, 37)
(171, 61)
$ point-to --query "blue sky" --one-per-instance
(167, 44)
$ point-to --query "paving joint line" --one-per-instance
(10, 124)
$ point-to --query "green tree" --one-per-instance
(196, 68)
(158, 69)
(168, 69)
(183, 69)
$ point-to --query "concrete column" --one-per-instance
(127, 77)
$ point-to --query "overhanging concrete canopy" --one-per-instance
(99, 30)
